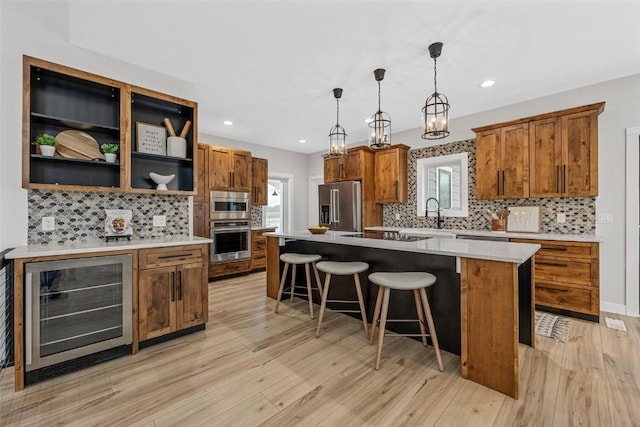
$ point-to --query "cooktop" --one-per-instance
(388, 235)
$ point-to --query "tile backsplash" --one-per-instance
(580, 211)
(256, 215)
(79, 216)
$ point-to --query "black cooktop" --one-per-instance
(388, 235)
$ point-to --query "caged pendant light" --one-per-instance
(380, 122)
(337, 134)
(436, 108)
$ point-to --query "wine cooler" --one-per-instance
(75, 308)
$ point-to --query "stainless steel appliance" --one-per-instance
(341, 205)
(389, 235)
(230, 205)
(76, 307)
(231, 241)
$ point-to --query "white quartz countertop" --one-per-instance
(32, 251)
(488, 233)
(479, 249)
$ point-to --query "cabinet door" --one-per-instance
(201, 219)
(391, 176)
(333, 169)
(219, 172)
(580, 154)
(202, 174)
(241, 174)
(353, 166)
(259, 177)
(156, 301)
(192, 299)
(545, 157)
(488, 161)
(514, 141)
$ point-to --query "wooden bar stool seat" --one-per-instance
(294, 259)
(342, 269)
(417, 282)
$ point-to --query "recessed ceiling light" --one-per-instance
(228, 122)
(487, 83)
(302, 141)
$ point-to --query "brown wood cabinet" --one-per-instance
(61, 99)
(229, 268)
(567, 276)
(229, 170)
(173, 289)
(259, 181)
(201, 225)
(502, 163)
(391, 174)
(259, 248)
(202, 174)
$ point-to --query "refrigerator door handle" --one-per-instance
(335, 205)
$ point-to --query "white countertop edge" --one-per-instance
(509, 234)
(32, 251)
(477, 249)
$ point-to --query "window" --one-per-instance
(446, 179)
(277, 212)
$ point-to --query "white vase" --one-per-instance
(47, 150)
(110, 157)
(176, 147)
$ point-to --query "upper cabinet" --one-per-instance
(550, 155)
(347, 168)
(202, 174)
(229, 170)
(391, 174)
(259, 181)
(502, 163)
(83, 112)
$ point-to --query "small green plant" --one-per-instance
(110, 148)
(46, 139)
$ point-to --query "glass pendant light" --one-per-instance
(380, 123)
(436, 108)
(337, 135)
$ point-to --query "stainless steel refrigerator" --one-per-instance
(341, 205)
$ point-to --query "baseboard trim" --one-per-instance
(613, 308)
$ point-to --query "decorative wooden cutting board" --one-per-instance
(78, 144)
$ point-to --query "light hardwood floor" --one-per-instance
(254, 367)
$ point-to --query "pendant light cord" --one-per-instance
(379, 110)
(337, 112)
(435, 75)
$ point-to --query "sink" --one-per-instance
(431, 232)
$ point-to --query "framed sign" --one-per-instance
(151, 139)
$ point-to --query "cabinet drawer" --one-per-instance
(564, 249)
(564, 270)
(227, 268)
(148, 258)
(259, 262)
(566, 297)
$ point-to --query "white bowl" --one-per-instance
(161, 180)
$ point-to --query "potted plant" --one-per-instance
(47, 144)
(110, 151)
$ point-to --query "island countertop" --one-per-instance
(475, 249)
(72, 248)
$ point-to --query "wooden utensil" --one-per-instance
(169, 126)
(185, 129)
(68, 153)
(79, 142)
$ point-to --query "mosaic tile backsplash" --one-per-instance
(580, 211)
(256, 215)
(79, 216)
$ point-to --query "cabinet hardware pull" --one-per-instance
(503, 190)
(396, 184)
(498, 183)
(174, 256)
(180, 285)
(555, 248)
(557, 178)
(564, 178)
(557, 264)
(173, 286)
(556, 290)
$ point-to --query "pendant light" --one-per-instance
(337, 135)
(436, 108)
(380, 122)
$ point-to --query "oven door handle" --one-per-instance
(230, 230)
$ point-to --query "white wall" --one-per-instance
(39, 29)
(622, 110)
(280, 162)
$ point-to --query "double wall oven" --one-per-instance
(230, 226)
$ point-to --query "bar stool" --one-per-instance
(342, 269)
(294, 260)
(417, 282)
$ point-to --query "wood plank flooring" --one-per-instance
(253, 367)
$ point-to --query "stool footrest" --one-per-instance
(405, 335)
(341, 301)
(345, 311)
(404, 320)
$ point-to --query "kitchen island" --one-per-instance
(482, 301)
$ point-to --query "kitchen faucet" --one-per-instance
(440, 218)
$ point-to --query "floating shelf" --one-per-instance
(80, 125)
(159, 157)
(65, 159)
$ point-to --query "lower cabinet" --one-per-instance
(172, 290)
(567, 276)
(259, 248)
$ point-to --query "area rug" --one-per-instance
(549, 325)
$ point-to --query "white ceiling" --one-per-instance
(270, 66)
